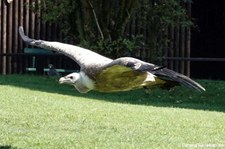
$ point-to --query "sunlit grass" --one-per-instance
(37, 112)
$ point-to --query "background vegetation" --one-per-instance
(101, 24)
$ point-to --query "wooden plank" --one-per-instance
(20, 42)
(171, 47)
(38, 22)
(165, 52)
(1, 39)
(61, 37)
(188, 41)
(15, 33)
(21, 23)
(9, 37)
(177, 47)
(26, 28)
(49, 31)
(1, 26)
(4, 43)
(26, 18)
(43, 31)
(32, 21)
(188, 50)
(182, 66)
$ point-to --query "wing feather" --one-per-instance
(82, 56)
(162, 73)
(132, 63)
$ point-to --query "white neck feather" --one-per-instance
(86, 80)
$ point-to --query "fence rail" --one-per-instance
(26, 60)
(199, 59)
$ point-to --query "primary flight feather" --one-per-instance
(106, 75)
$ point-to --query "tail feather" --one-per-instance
(170, 75)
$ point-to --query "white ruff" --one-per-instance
(86, 80)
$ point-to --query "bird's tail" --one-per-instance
(170, 75)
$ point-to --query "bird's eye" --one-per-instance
(71, 77)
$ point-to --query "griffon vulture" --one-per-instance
(107, 75)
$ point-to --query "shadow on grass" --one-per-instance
(7, 147)
(213, 99)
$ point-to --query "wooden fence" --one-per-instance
(13, 59)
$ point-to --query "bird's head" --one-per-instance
(70, 79)
(50, 66)
(79, 80)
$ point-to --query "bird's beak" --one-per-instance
(62, 80)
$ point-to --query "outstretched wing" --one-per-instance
(132, 64)
(83, 57)
(170, 75)
(161, 73)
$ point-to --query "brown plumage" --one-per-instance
(106, 75)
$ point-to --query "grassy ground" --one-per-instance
(37, 112)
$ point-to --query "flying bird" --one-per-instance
(103, 74)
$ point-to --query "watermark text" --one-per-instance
(200, 145)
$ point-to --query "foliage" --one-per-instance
(101, 23)
(115, 48)
(37, 112)
(158, 16)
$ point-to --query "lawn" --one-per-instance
(37, 112)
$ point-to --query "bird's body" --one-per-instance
(106, 75)
(52, 71)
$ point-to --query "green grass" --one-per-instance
(37, 112)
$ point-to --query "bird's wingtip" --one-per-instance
(23, 36)
(203, 89)
(21, 29)
(199, 87)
